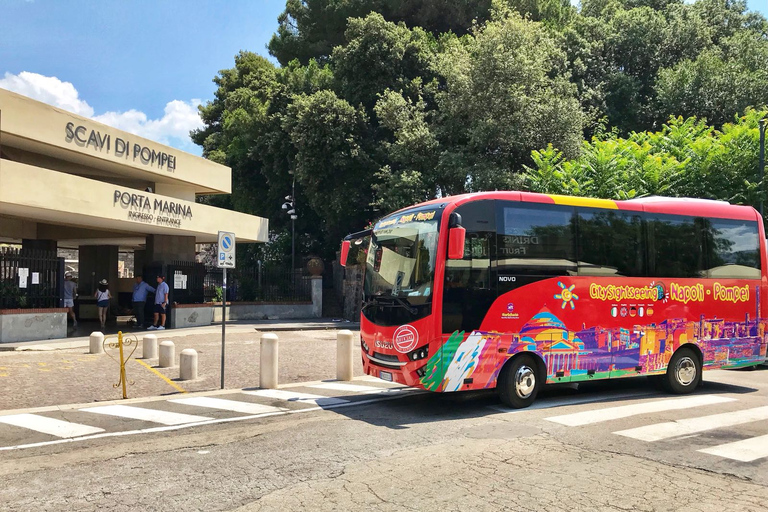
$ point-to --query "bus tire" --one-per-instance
(683, 372)
(519, 382)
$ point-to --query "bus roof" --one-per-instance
(653, 204)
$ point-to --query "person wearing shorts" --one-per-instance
(70, 294)
(102, 301)
(161, 304)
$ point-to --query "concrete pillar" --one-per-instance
(167, 354)
(344, 353)
(149, 347)
(268, 370)
(96, 343)
(188, 364)
(317, 296)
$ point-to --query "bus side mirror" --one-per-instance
(344, 253)
(456, 238)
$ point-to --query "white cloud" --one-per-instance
(47, 89)
(179, 117)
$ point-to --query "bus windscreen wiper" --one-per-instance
(399, 303)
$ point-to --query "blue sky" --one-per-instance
(142, 66)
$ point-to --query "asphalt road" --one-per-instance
(619, 445)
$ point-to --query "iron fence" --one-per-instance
(30, 278)
(193, 283)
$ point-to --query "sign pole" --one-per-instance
(223, 322)
(225, 260)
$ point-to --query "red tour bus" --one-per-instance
(510, 290)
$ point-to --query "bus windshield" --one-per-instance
(400, 266)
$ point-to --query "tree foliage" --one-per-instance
(380, 104)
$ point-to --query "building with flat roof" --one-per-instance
(70, 182)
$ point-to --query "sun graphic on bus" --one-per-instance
(567, 295)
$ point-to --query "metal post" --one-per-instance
(122, 363)
(761, 163)
(293, 226)
(223, 322)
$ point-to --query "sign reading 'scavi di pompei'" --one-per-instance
(121, 148)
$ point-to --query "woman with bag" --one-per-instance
(102, 301)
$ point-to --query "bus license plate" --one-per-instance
(385, 375)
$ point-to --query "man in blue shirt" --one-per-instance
(140, 290)
(161, 303)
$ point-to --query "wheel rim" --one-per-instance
(685, 371)
(525, 381)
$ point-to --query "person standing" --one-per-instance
(161, 304)
(140, 290)
(70, 294)
(102, 301)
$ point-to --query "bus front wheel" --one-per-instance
(683, 372)
(519, 382)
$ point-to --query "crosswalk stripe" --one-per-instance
(351, 388)
(227, 405)
(688, 426)
(151, 415)
(625, 411)
(746, 450)
(54, 427)
(293, 396)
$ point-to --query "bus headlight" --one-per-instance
(365, 347)
(419, 353)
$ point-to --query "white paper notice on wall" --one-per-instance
(179, 282)
(23, 275)
(35, 277)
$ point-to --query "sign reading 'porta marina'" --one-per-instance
(148, 210)
(121, 148)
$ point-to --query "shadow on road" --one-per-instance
(438, 407)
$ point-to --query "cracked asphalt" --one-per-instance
(422, 452)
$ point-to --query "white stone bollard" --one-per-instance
(268, 370)
(167, 354)
(149, 346)
(97, 343)
(344, 354)
(188, 364)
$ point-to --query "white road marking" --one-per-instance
(352, 388)
(688, 426)
(226, 405)
(746, 450)
(172, 428)
(151, 415)
(294, 396)
(54, 427)
(625, 411)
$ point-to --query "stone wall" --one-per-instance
(32, 324)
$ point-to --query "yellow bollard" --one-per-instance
(132, 340)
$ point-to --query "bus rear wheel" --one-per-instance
(683, 372)
(519, 382)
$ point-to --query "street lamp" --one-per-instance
(761, 162)
(290, 209)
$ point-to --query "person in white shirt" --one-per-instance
(102, 301)
(70, 294)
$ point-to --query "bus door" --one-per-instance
(470, 284)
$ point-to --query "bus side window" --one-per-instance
(676, 245)
(535, 242)
(470, 285)
(610, 243)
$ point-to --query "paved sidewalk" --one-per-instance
(56, 373)
(319, 324)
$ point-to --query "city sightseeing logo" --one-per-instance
(566, 295)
